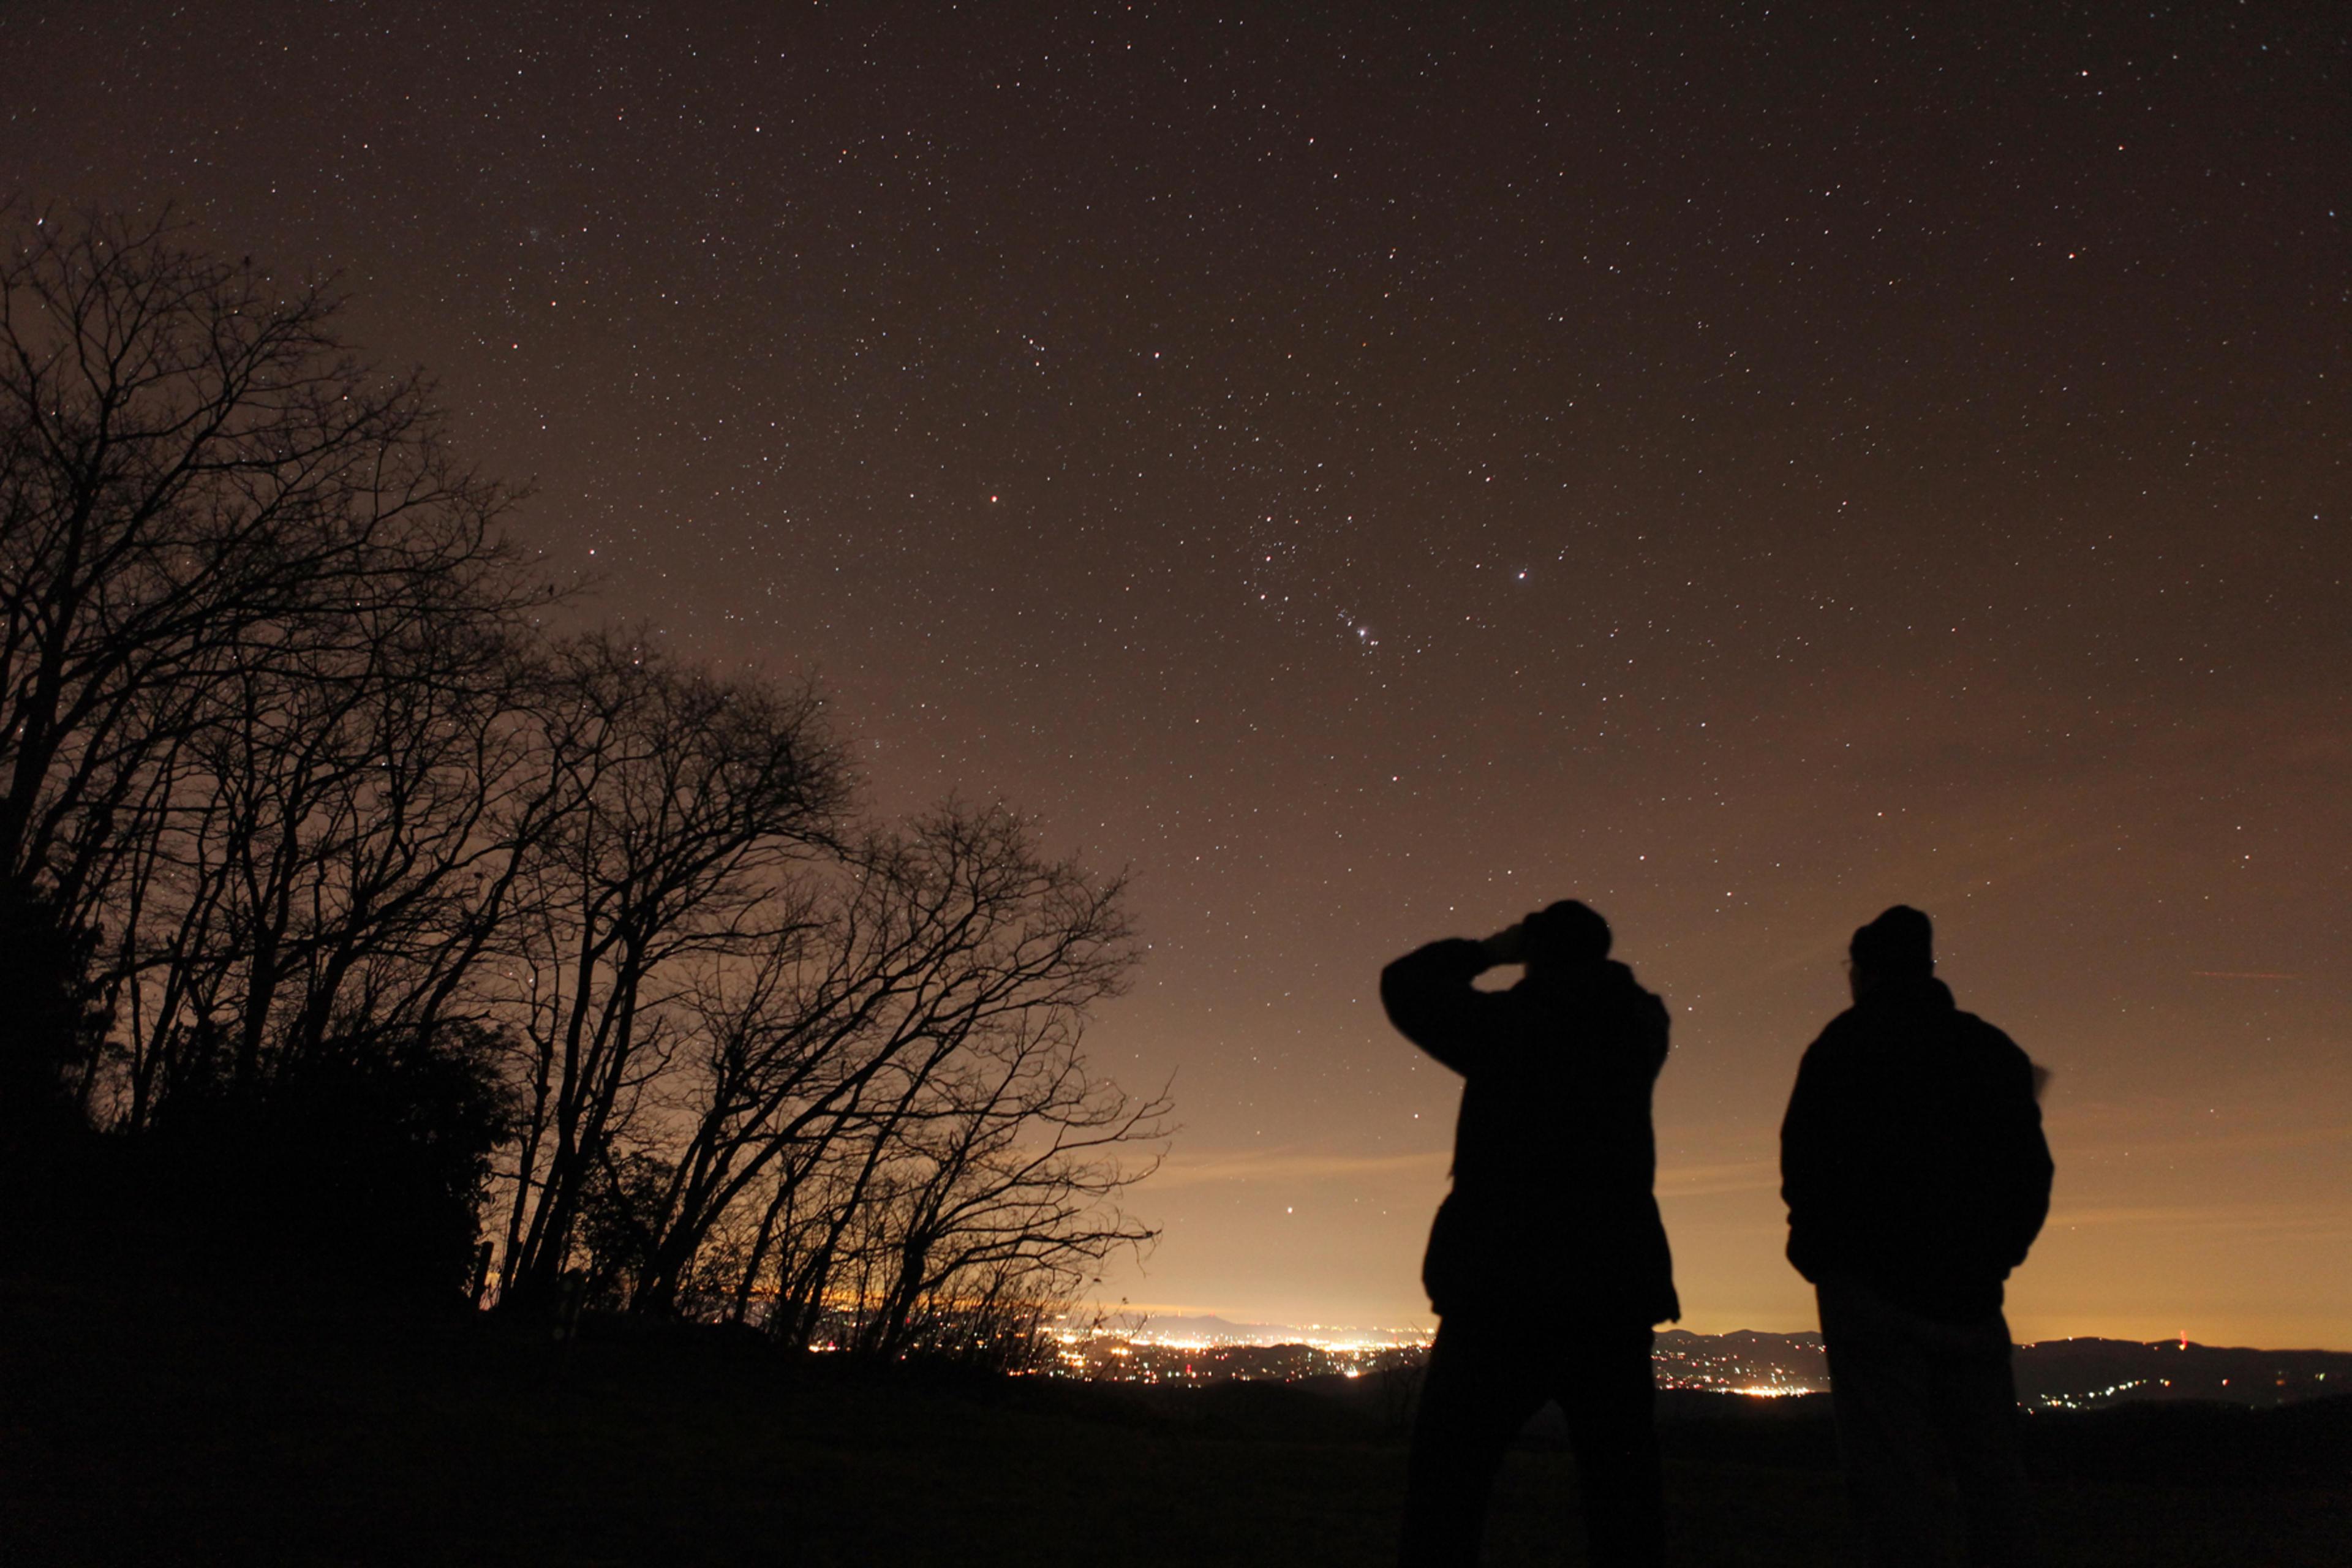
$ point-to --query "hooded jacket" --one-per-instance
(1912, 1155)
(1552, 1210)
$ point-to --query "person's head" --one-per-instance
(1565, 935)
(1900, 944)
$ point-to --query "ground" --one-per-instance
(167, 1429)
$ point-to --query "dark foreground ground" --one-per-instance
(165, 1431)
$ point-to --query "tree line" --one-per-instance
(351, 909)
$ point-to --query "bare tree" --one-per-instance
(1006, 1187)
(680, 798)
(259, 638)
(909, 1049)
(327, 856)
(821, 1057)
(196, 478)
(226, 541)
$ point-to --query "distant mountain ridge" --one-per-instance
(2052, 1375)
(2074, 1374)
(1210, 1329)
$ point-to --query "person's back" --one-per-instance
(1916, 1177)
(1554, 1160)
(1912, 1153)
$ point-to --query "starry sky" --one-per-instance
(1373, 471)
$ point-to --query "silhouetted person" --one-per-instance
(1547, 1265)
(1916, 1176)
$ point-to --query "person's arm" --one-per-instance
(1430, 1000)
(2026, 1169)
(1808, 1181)
(1656, 1025)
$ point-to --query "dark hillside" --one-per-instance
(2088, 1372)
(169, 1429)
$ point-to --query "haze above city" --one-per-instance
(1372, 477)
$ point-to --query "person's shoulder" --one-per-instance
(1616, 976)
(1628, 996)
(1979, 1028)
(1991, 1043)
(1843, 1030)
(1845, 1039)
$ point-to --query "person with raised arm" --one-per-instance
(1547, 1265)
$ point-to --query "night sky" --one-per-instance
(1376, 477)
